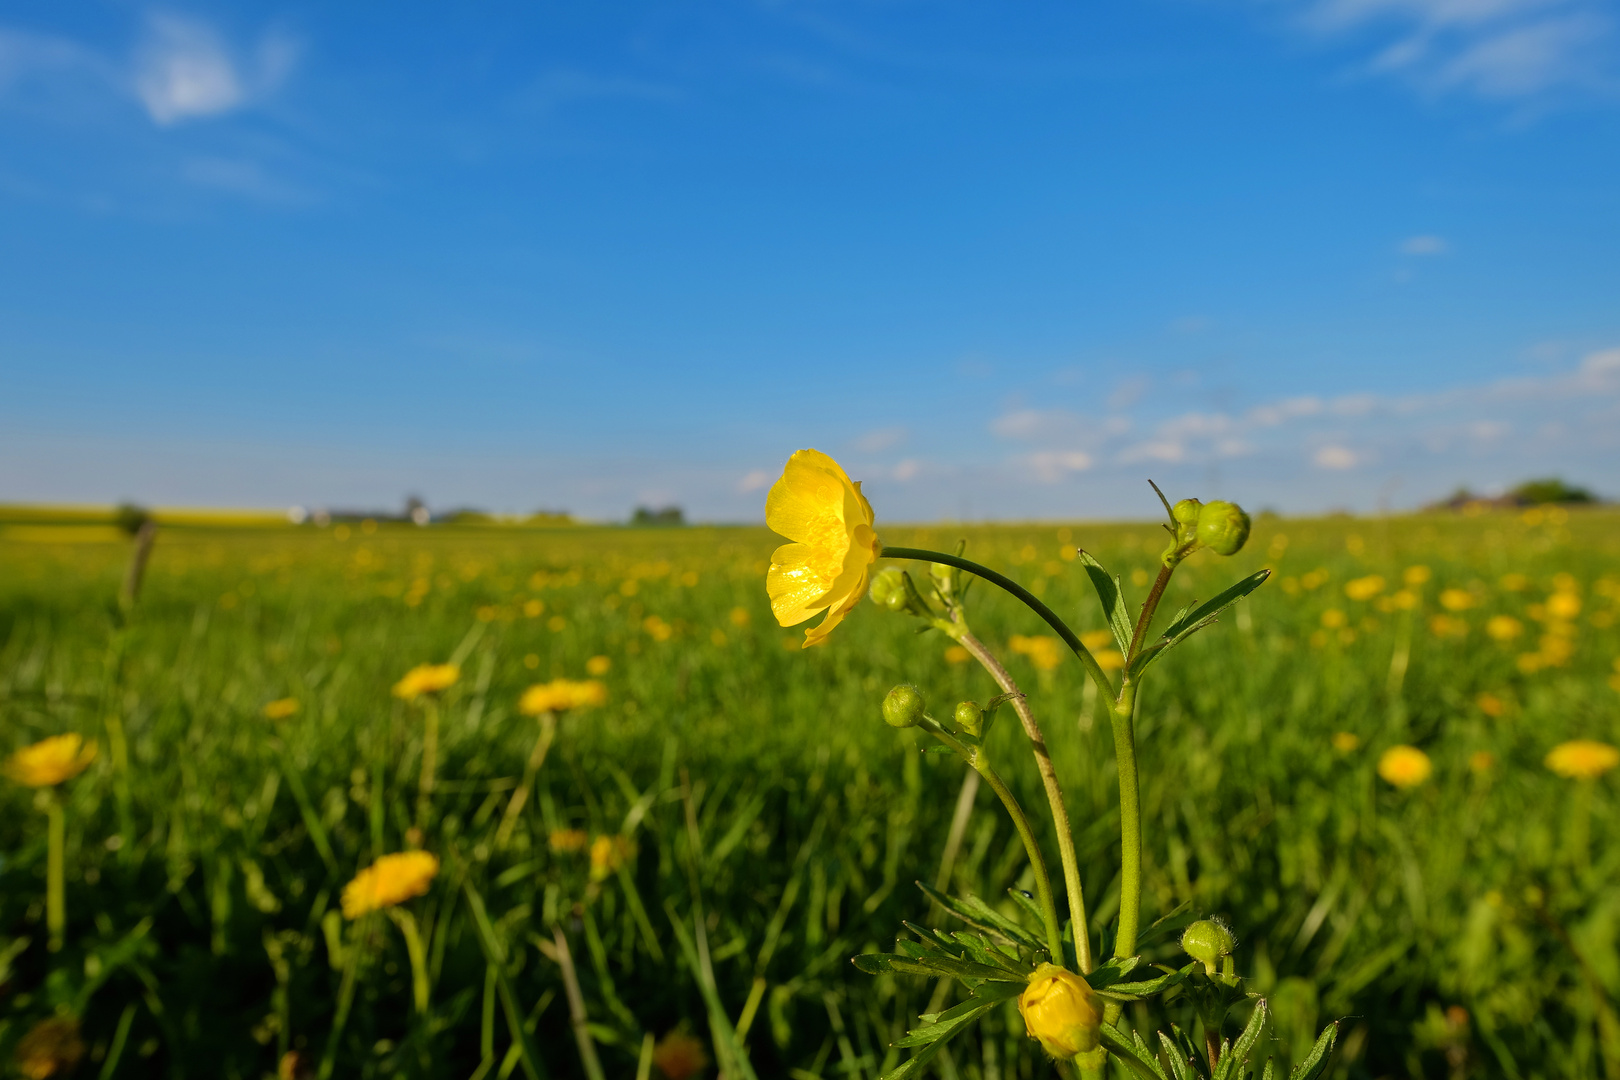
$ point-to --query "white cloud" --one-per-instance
(875, 442)
(1335, 457)
(1500, 49)
(755, 480)
(182, 70)
(1050, 466)
(907, 470)
(1427, 244)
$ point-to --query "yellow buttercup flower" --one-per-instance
(1346, 742)
(560, 695)
(1405, 766)
(818, 507)
(1582, 759)
(679, 1056)
(598, 665)
(1044, 651)
(281, 708)
(563, 841)
(426, 679)
(50, 761)
(1364, 588)
(1061, 1010)
(392, 879)
(608, 853)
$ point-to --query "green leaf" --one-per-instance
(1181, 1068)
(946, 1023)
(1234, 1064)
(914, 1066)
(977, 913)
(1112, 971)
(1177, 918)
(1316, 1062)
(1112, 599)
(1132, 991)
(1132, 1053)
(1196, 619)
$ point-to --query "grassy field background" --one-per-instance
(773, 825)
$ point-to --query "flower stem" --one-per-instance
(974, 756)
(1149, 606)
(1029, 600)
(55, 895)
(418, 954)
(1054, 793)
(430, 762)
(1123, 718)
(520, 797)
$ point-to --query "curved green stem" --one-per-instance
(1029, 600)
(1054, 793)
(1123, 718)
(1043, 882)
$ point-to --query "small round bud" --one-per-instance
(945, 578)
(903, 706)
(1062, 1011)
(1223, 527)
(1186, 511)
(889, 589)
(1207, 941)
(970, 718)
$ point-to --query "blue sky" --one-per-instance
(1002, 260)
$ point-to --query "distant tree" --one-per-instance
(665, 516)
(1550, 490)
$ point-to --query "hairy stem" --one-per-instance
(1123, 718)
(1029, 600)
(1149, 606)
(1054, 794)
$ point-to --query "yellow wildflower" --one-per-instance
(598, 665)
(1490, 704)
(1097, 639)
(1515, 582)
(1346, 742)
(608, 853)
(1503, 627)
(426, 679)
(1456, 599)
(740, 617)
(52, 1047)
(1110, 659)
(1364, 588)
(1333, 618)
(1043, 651)
(1416, 575)
(50, 761)
(560, 695)
(818, 507)
(1563, 605)
(392, 879)
(1405, 766)
(1061, 1011)
(679, 1056)
(1582, 759)
(956, 654)
(281, 708)
(564, 841)
(1481, 761)
(1448, 626)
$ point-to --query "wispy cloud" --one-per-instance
(1507, 50)
(1427, 244)
(184, 70)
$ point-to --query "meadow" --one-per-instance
(704, 851)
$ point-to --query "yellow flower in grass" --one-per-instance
(1503, 627)
(52, 1047)
(1346, 742)
(50, 761)
(281, 708)
(818, 507)
(1582, 759)
(565, 841)
(392, 879)
(560, 695)
(1364, 588)
(1044, 651)
(679, 1056)
(1405, 766)
(608, 853)
(1061, 1010)
(426, 679)
(598, 665)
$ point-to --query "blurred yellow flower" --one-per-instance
(1490, 704)
(1364, 588)
(534, 608)
(1405, 766)
(740, 617)
(392, 879)
(1563, 605)
(1346, 742)
(1097, 639)
(1582, 759)
(657, 628)
(956, 654)
(1456, 599)
(426, 679)
(281, 708)
(818, 507)
(598, 665)
(1481, 761)
(1109, 659)
(563, 841)
(52, 1047)
(608, 853)
(1416, 575)
(1448, 626)
(679, 1056)
(50, 761)
(1503, 627)
(1514, 582)
(1333, 618)
(1044, 651)
(560, 695)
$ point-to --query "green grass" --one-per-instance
(1459, 928)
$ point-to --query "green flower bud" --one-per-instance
(970, 718)
(1223, 527)
(889, 589)
(1207, 941)
(947, 579)
(903, 706)
(1186, 511)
